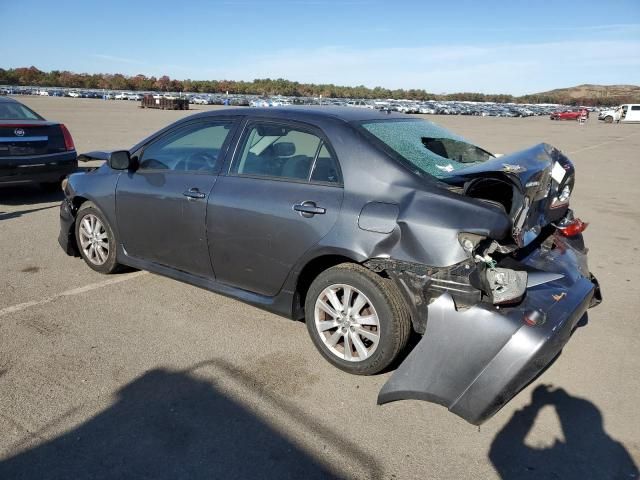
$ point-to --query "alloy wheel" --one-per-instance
(93, 239)
(347, 322)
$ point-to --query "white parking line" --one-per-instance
(597, 145)
(74, 291)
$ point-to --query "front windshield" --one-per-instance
(428, 147)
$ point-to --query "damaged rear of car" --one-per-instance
(502, 301)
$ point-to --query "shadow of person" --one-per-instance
(168, 425)
(586, 451)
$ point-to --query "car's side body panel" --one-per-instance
(252, 228)
(158, 223)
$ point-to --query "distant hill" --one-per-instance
(589, 94)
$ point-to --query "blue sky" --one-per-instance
(446, 46)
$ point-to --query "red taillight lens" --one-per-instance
(574, 227)
(68, 141)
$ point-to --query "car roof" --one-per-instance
(347, 114)
(8, 100)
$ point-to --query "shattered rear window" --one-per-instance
(426, 146)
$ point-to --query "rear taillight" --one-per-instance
(572, 228)
(68, 141)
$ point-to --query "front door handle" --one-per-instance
(308, 209)
(194, 193)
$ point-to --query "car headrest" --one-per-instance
(284, 149)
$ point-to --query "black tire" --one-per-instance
(387, 302)
(109, 265)
(608, 119)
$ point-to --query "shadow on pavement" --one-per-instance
(587, 451)
(172, 424)
(20, 213)
(29, 195)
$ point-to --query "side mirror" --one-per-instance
(120, 160)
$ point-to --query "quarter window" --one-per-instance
(195, 148)
(281, 151)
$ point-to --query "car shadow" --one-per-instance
(31, 194)
(28, 195)
(20, 213)
(586, 450)
(173, 424)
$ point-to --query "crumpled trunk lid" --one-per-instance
(525, 183)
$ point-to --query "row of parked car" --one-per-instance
(433, 107)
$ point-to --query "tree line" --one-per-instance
(32, 76)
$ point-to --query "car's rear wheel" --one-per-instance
(356, 319)
(96, 240)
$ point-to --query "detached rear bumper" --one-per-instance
(475, 360)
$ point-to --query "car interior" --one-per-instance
(194, 150)
(275, 151)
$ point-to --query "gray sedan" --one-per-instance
(369, 225)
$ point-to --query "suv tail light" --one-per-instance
(68, 141)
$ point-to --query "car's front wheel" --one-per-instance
(96, 240)
(356, 319)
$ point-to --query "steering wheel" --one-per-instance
(200, 161)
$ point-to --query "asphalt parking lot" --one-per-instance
(139, 376)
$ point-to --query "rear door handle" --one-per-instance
(309, 209)
(193, 193)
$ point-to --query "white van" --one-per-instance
(627, 113)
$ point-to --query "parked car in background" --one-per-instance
(357, 104)
(607, 115)
(74, 94)
(627, 113)
(32, 149)
(280, 208)
(570, 114)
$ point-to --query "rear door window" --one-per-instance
(281, 151)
